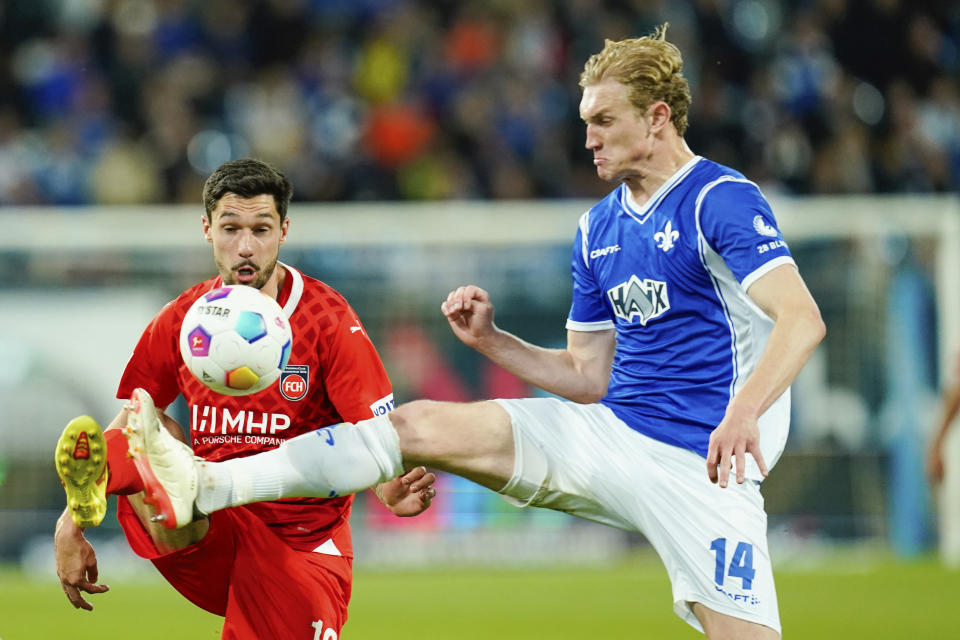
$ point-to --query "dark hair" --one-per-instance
(247, 178)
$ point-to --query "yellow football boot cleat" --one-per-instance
(81, 461)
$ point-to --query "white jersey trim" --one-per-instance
(584, 233)
(296, 290)
(749, 329)
(641, 213)
(328, 548)
(599, 325)
(712, 262)
(764, 269)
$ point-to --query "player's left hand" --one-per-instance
(735, 436)
(409, 494)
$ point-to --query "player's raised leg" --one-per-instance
(719, 626)
(169, 473)
(472, 440)
(81, 462)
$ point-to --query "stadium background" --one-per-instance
(434, 143)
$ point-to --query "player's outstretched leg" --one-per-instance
(81, 462)
(166, 466)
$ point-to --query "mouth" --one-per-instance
(245, 273)
(598, 161)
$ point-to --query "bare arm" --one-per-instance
(580, 372)
(949, 409)
(75, 558)
(797, 330)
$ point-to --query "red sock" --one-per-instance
(123, 478)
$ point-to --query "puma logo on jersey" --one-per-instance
(644, 298)
(761, 227)
(356, 328)
(667, 237)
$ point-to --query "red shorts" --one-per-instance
(243, 571)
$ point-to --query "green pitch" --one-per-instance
(847, 596)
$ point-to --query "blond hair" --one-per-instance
(650, 67)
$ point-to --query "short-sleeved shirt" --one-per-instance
(671, 278)
(345, 381)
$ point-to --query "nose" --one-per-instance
(593, 140)
(245, 244)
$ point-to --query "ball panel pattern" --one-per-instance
(235, 340)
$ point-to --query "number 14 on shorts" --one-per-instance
(741, 562)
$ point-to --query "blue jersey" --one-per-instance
(671, 278)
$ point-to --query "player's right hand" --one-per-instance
(76, 563)
(470, 313)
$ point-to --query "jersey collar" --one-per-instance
(641, 213)
(292, 290)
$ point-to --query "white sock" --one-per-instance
(326, 463)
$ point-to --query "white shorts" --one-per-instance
(582, 459)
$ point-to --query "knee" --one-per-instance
(413, 419)
(421, 426)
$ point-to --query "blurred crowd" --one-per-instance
(136, 101)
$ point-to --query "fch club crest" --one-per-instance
(294, 381)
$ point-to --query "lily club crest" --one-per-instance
(666, 238)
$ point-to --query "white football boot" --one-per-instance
(166, 466)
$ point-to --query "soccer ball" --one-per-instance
(235, 340)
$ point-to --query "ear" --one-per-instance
(659, 116)
(284, 228)
(205, 225)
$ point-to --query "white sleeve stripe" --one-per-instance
(711, 185)
(600, 325)
(584, 229)
(702, 247)
(296, 291)
(764, 269)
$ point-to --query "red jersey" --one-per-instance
(333, 375)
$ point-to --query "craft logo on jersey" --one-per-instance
(294, 381)
(667, 237)
(645, 298)
(599, 253)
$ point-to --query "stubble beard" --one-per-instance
(263, 275)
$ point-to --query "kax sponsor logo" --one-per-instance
(294, 381)
(644, 298)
